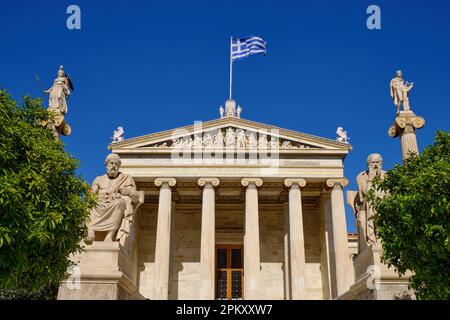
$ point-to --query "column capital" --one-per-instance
(404, 120)
(204, 181)
(170, 181)
(247, 181)
(295, 181)
(343, 182)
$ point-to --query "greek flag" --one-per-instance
(244, 47)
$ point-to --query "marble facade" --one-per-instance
(276, 192)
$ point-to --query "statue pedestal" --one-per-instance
(405, 125)
(104, 271)
(374, 280)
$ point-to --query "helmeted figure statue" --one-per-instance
(361, 206)
(399, 91)
(57, 104)
(117, 198)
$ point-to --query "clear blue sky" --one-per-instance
(156, 65)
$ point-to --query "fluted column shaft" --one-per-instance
(287, 273)
(208, 239)
(329, 246)
(405, 126)
(296, 239)
(344, 268)
(408, 141)
(162, 251)
(251, 239)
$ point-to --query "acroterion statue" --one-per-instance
(342, 135)
(118, 135)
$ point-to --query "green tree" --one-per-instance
(44, 204)
(413, 219)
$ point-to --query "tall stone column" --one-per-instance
(208, 239)
(287, 273)
(343, 267)
(405, 125)
(329, 245)
(251, 239)
(162, 251)
(296, 239)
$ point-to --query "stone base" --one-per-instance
(375, 281)
(98, 275)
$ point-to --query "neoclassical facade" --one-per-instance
(236, 209)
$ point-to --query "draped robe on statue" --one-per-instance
(114, 211)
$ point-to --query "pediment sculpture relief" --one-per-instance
(232, 138)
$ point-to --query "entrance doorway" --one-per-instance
(229, 272)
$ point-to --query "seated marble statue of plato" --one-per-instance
(117, 196)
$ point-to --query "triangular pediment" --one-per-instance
(230, 132)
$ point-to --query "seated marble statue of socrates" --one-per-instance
(117, 200)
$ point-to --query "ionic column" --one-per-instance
(162, 251)
(408, 141)
(296, 239)
(208, 239)
(251, 239)
(405, 126)
(343, 267)
(287, 273)
(329, 246)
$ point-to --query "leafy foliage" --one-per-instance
(413, 219)
(44, 205)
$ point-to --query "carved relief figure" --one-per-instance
(177, 143)
(218, 139)
(286, 144)
(208, 141)
(117, 196)
(262, 142)
(241, 139)
(252, 142)
(187, 142)
(274, 143)
(197, 143)
(230, 138)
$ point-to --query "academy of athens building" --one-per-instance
(230, 209)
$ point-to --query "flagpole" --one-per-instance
(231, 63)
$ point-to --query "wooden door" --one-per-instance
(229, 272)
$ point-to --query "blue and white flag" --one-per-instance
(244, 47)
